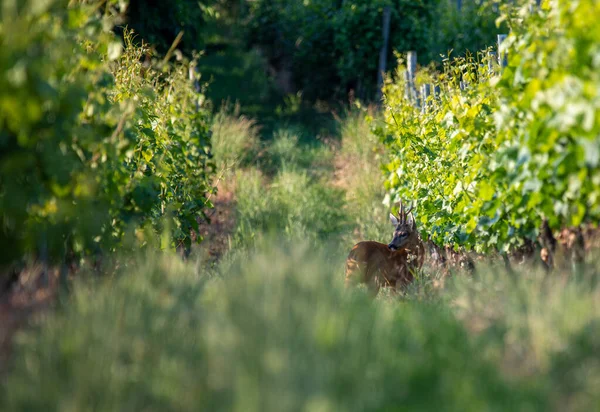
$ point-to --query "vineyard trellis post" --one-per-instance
(491, 59)
(407, 88)
(502, 57)
(412, 72)
(383, 52)
(425, 93)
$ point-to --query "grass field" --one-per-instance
(269, 326)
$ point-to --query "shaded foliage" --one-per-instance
(93, 141)
(159, 22)
(333, 47)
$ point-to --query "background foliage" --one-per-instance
(160, 22)
(332, 47)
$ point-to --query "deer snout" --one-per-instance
(398, 241)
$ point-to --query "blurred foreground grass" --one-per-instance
(271, 328)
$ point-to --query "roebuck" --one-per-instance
(379, 265)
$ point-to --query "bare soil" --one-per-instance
(217, 232)
(33, 294)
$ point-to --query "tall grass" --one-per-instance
(270, 329)
(286, 190)
(292, 203)
(288, 151)
(360, 174)
(234, 139)
(527, 321)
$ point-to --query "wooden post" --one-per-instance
(502, 57)
(383, 51)
(412, 71)
(464, 84)
(426, 90)
(436, 91)
(412, 64)
(491, 59)
(407, 91)
(425, 93)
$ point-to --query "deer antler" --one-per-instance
(411, 208)
(401, 211)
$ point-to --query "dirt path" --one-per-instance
(216, 234)
(29, 297)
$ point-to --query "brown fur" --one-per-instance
(377, 266)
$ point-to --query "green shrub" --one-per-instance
(56, 127)
(294, 148)
(487, 164)
(168, 159)
(547, 124)
(93, 142)
(438, 157)
(284, 150)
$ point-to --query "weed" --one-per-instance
(234, 138)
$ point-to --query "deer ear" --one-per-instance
(411, 221)
(393, 220)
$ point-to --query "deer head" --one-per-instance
(405, 228)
